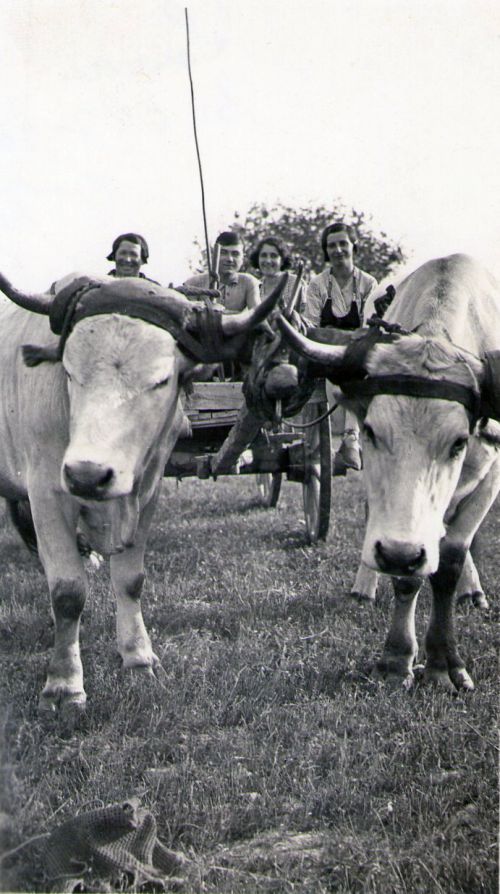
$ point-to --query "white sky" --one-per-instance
(392, 106)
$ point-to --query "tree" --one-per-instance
(301, 228)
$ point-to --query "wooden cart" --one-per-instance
(221, 424)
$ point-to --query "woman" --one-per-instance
(271, 257)
(337, 297)
(129, 252)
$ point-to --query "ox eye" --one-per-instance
(369, 433)
(458, 446)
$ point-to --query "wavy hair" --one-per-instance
(279, 245)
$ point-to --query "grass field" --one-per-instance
(272, 758)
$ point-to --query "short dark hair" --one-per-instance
(130, 237)
(279, 245)
(229, 237)
(339, 227)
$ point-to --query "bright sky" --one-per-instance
(392, 106)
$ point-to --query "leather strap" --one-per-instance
(416, 386)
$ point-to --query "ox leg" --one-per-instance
(469, 585)
(127, 576)
(364, 588)
(444, 663)
(400, 649)
(55, 524)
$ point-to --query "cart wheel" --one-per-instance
(269, 486)
(317, 486)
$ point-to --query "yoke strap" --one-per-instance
(415, 386)
(140, 311)
(87, 298)
(491, 386)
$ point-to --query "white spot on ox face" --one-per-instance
(414, 450)
(123, 389)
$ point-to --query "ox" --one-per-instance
(86, 440)
(432, 466)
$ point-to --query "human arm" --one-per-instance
(368, 284)
(313, 302)
(200, 280)
(252, 293)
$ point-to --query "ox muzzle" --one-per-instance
(88, 480)
(399, 558)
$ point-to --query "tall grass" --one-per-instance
(272, 757)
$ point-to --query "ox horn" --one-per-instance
(328, 355)
(39, 304)
(236, 324)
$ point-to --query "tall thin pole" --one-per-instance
(203, 206)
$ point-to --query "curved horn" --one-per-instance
(39, 304)
(328, 355)
(236, 324)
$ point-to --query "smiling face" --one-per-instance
(340, 251)
(270, 260)
(128, 260)
(231, 259)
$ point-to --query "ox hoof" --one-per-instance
(461, 680)
(68, 708)
(147, 672)
(438, 678)
(455, 679)
(362, 597)
(394, 681)
(398, 683)
(477, 598)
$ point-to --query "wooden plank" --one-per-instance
(214, 395)
(228, 396)
(212, 420)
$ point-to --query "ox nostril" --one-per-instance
(106, 478)
(86, 479)
(400, 558)
(418, 561)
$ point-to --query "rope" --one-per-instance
(297, 426)
(204, 211)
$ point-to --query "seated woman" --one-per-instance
(337, 297)
(129, 252)
(271, 258)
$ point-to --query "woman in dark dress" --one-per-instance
(336, 297)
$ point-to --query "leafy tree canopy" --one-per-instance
(301, 228)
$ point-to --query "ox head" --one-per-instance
(127, 347)
(417, 402)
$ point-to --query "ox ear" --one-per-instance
(326, 350)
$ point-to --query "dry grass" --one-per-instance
(272, 758)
